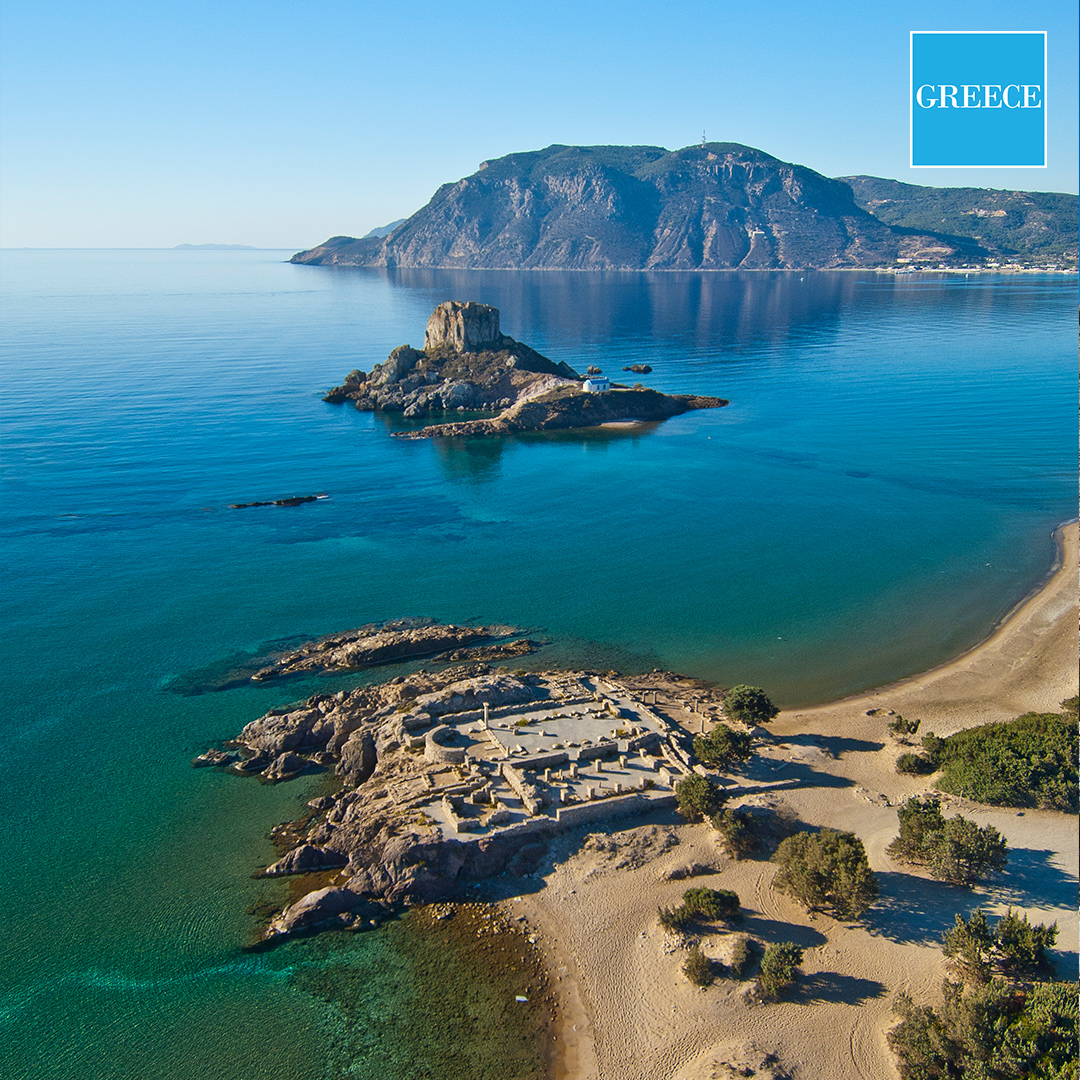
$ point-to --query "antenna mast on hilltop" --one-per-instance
(703, 140)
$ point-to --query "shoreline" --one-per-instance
(614, 984)
(1037, 616)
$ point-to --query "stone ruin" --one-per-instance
(464, 327)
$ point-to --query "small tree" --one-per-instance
(955, 850)
(723, 746)
(968, 946)
(749, 704)
(698, 968)
(1020, 948)
(826, 871)
(737, 829)
(778, 969)
(962, 852)
(919, 819)
(740, 955)
(698, 797)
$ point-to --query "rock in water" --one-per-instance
(285, 767)
(467, 363)
(306, 859)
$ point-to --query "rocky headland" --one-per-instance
(468, 364)
(445, 779)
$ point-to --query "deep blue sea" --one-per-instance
(880, 491)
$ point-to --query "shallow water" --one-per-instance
(879, 492)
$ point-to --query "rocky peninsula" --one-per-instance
(446, 779)
(468, 365)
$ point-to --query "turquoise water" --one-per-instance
(879, 492)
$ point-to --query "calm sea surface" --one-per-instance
(878, 494)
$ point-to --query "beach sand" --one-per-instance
(626, 1010)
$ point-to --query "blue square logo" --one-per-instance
(978, 99)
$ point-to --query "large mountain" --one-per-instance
(712, 207)
(1025, 225)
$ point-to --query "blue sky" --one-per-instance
(140, 124)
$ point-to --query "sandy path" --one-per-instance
(627, 1011)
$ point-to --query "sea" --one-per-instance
(879, 493)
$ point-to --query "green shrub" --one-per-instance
(737, 829)
(711, 903)
(698, 797)
(741, 955)
(826, 871)
(1029, 761)
(723, 746)
(901, 727)
(700, 904)
(778, 969)
(955, 850)
(749, 704)
(698, 968)
(675, 918)
(915, 764)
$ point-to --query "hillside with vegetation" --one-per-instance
(1015, 226)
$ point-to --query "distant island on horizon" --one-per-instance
(214, 247)
(714, 206)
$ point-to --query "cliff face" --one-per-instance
(719, 206)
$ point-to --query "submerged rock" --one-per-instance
(213, 758)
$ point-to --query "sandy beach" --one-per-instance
(626, 1010)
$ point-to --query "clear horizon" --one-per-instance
(148, 127)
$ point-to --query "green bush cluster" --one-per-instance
(698, 797)
(995, 1031)
(826, 871)
(778, 969)
(1029, 761)
(955, 850)
(701, 904)
(723, 746)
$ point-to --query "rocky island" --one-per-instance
(468, 364)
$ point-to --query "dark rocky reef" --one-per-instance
(467, 363)
(714, 207)
(370, 645)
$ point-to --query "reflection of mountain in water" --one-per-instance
(718, 309)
